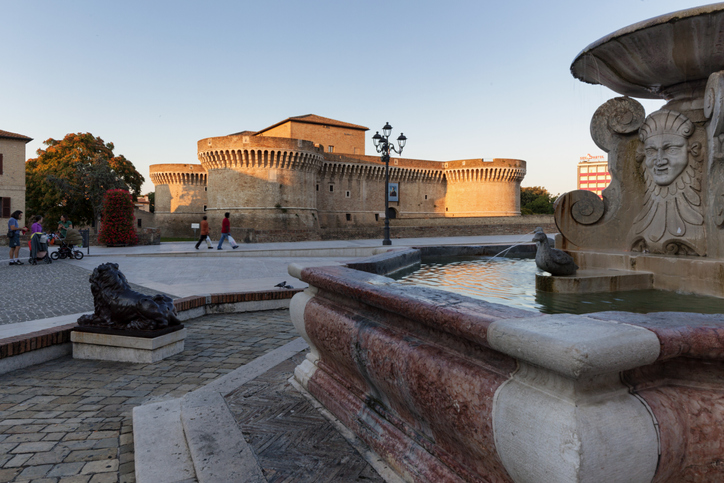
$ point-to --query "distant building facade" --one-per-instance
(12, 174)
(143, 203)
(308, 174)
(592, 174)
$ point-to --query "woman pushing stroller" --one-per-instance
(38, 243)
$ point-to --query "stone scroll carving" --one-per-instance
(117, 306)
(581, 216)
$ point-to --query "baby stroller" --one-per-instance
(39, 249)
(67, 246)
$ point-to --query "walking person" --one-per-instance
(226, 233)
(14, 231)
(204, 234)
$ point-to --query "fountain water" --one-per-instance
(448, 388)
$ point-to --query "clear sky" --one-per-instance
(461, 79)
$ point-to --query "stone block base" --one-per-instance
(107, 347)
(592, 281)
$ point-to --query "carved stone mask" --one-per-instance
(666, 157)
(666, 147)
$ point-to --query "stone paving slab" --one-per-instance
(291, 439)
(71, 420)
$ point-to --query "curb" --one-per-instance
(196, 435)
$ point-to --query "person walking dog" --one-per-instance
(226, 233)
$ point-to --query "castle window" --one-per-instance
(205, 188)
(347, 194)
(204, 207)
(330, 148)
(5, 206)
(139, 223)
(331, 188)
(446, 208)
(317, 187)
(348, 216)
(377, 217)
(425, 196)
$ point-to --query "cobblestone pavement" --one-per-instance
(32, 292)
(291, 439)
(70, 421)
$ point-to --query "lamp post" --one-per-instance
(383, 146)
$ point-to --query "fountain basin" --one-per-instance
(450, 388)
(666, 57)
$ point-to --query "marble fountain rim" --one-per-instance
(699, 336)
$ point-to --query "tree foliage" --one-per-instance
(117, 227)
(72, 175)
(536, 201)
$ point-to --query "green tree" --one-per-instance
(536, 201)
(72, 175)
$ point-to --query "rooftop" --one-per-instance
(12, 135)
(314, 119)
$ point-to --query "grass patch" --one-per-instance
(163, 239)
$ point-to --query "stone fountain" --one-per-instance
(666, 197)
(448, 388)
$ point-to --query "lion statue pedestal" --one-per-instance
(126, 326)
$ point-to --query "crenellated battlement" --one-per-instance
(241, 152)
(182, 174)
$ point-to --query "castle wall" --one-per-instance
(348, 187)
(427, 189)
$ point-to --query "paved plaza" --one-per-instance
(70, 421)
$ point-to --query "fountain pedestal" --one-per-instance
(595, 281)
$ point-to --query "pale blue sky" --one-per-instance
(461, 79)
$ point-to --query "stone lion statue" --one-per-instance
(119, 307)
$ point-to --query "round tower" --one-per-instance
(180, 198)
(267, 183)
(483, 188)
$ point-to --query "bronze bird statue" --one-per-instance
(552, 260)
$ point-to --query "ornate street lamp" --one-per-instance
(383, 146)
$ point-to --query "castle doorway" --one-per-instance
(391, 213)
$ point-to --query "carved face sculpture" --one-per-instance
(671, 218)
(666, 148)
(666, 157)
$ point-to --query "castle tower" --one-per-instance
(180, 196)
(265, 182)
(481, 188)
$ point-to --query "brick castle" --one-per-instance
(307, 177)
